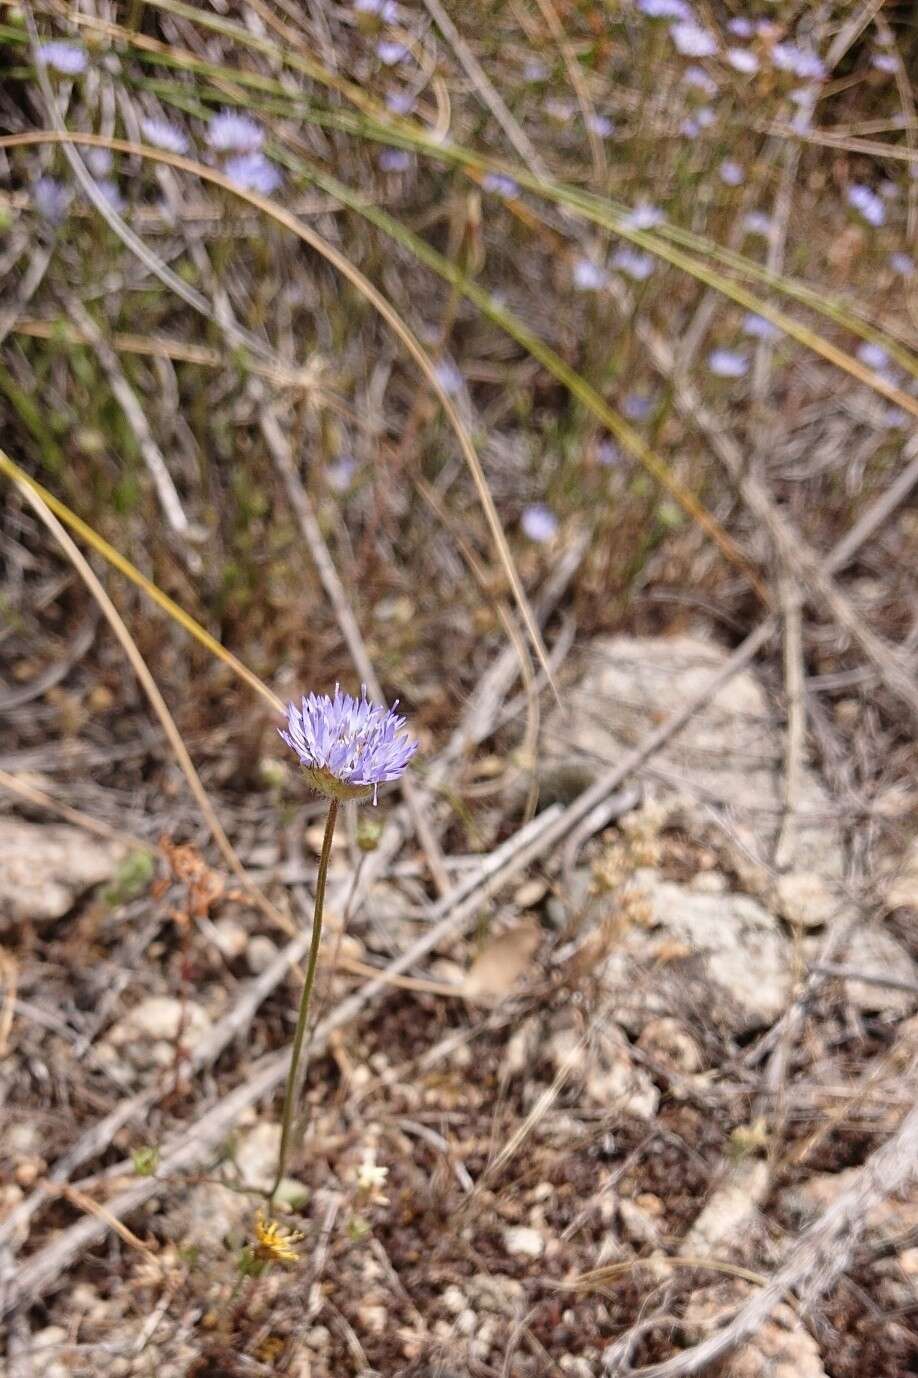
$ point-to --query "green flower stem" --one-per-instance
(303, 1016)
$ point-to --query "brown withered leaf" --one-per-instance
(502, 961)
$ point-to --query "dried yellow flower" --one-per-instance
(274, 1242)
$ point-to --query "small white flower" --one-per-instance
(741, 60)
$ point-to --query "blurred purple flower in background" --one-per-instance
(390, 52)
(253, 172)
(700, 80)
(731, 174)
(873, 355)
(637, 406)
(449, 377)
(339, 474)
(757, 222)
(539, 522)
(394, 160)
(588, 276)
(665, 9)
(741, 28)
(633, 263)
(52, 199)
(867, 204)
(67, 58)
(902, 264)
(741, 60)
(644, 216)
(692, 40)
(727, 363)
(401, 102)
(111, 194)
(231, 132)
(759, 328)
(163, 134)
(348, 747)
(802, 63)
(601, 126)
(99, 161)
(500, 184)
(608, 453)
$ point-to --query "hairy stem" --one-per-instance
(303, 1015)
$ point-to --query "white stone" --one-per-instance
(727, 1217)
(46, 867)
(524, 1241)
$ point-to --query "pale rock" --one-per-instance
(733, 1208)
(373, 1318)
(669, 1041)
(889, 1219)
(741, 944)
(454, 1299)
(524, 1241)
(260, 952)
(876, 952)
(46, 867)
(638, 1224)
(212, 1213)
(780, 1348)
(604, 1066)
(731, 750)
(230, 937)
(146, 1036)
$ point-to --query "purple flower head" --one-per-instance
(633, 263)
(99, 161)
(394, 160)
(644, 216)
(500, 184)
(253, 172)
(742, 60)
(448, 376)
(230, 132)
(741, 28)
(787, 57)
(901, 264)
(112, 194)
(390, 52)
(757, 222)
(759, 328)
(339, 474)
(601, 126)
(401, 102)
(164, 134)
(608, 453)
(884, 62)
(700, 80)
(731, 173)
(665, 9)
(52, 199)
(727, 363)
(637, 406)
(873, 355)
(539, 522)
(692, 40)
(867, 204)
(67, 58)
(588, 276)
(348, 747)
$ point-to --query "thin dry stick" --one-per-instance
(789, 595)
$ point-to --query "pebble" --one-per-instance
(259, 953)
(520, 1239)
